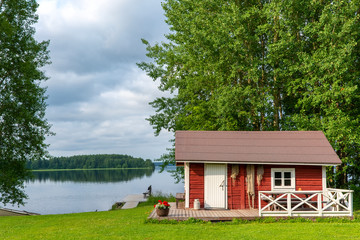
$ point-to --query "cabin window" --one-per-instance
(283, 178)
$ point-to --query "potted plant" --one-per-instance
(162, 208)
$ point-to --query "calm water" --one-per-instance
(91, 190)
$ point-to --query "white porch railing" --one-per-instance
(331, 202)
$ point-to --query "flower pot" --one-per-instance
(162, 212)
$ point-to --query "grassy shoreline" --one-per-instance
(83, 169)
(132, 224)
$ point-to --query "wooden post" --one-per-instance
(259, 203)
(289, 204)
(351, 203)
(320, 204)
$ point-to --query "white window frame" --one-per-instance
(283, 187)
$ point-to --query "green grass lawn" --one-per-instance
(131, 224)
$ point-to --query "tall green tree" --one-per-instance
(328, 91)
(261, 65)
(23, 126)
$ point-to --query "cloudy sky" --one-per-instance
(98, 98)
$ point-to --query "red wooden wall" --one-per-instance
(306, 177)
(236, 188)
(196, 181)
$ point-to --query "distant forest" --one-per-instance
(91, 161)
(95, 176)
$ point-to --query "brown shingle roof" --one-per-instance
(281, 147)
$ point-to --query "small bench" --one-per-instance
(148, 192)
(179, 197)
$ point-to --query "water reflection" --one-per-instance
(55, 192)
(98, 176)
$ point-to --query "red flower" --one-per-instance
(165, 203)
(160, 201)
(155, 205)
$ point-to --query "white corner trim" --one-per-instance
(226, 188)
(187, 184)
(324, 178)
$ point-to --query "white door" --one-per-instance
(215, 186)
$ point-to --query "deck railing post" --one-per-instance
(289, 203)
(320, 204)
(260, 203)
(351, 203)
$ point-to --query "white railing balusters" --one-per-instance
(319, 203)
(289, 204)
(330, 202)
(273, 201)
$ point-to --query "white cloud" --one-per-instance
(98, 98)
(89, 35)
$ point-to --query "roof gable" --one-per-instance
(256, 147)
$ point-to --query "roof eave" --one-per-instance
(258, 163)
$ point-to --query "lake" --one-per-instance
(57, 192)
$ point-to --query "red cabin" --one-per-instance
(229, 169)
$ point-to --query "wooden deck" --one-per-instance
(207, 215)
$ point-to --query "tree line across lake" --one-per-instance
(91, 161)
(94, 176)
